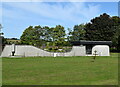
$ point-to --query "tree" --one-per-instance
(47, 33)
(116, 35)
(116, 20)
(100, 28)
(42, 36)
(77, 34)
(115, 39)
(30, 36)
(58, 35)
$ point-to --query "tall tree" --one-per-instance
(100, 28)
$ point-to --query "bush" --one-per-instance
(113, 49)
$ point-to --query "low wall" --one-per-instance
(28, 50)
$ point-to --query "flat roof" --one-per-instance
(83, 42)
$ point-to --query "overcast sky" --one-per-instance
(16, 16)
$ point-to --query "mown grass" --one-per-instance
(60, 71)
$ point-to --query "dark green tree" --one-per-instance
(100, 28)
(116, 20)
(115, 38)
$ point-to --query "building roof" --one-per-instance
(83, 42)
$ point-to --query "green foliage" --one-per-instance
(77, 34)
(31, 36)
(44, 36)
(116, 35)
(100, 28)
(58, 35)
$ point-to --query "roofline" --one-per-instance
(83, 42)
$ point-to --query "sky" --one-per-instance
(15, 17)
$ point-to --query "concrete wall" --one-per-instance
(27, 50)
(0, 45)
(6, 51)
(102, 50)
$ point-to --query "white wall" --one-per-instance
(28, 50)
(102, 50)
(6, 51)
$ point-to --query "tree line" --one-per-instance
(102, 28)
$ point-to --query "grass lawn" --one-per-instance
(60, 71)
